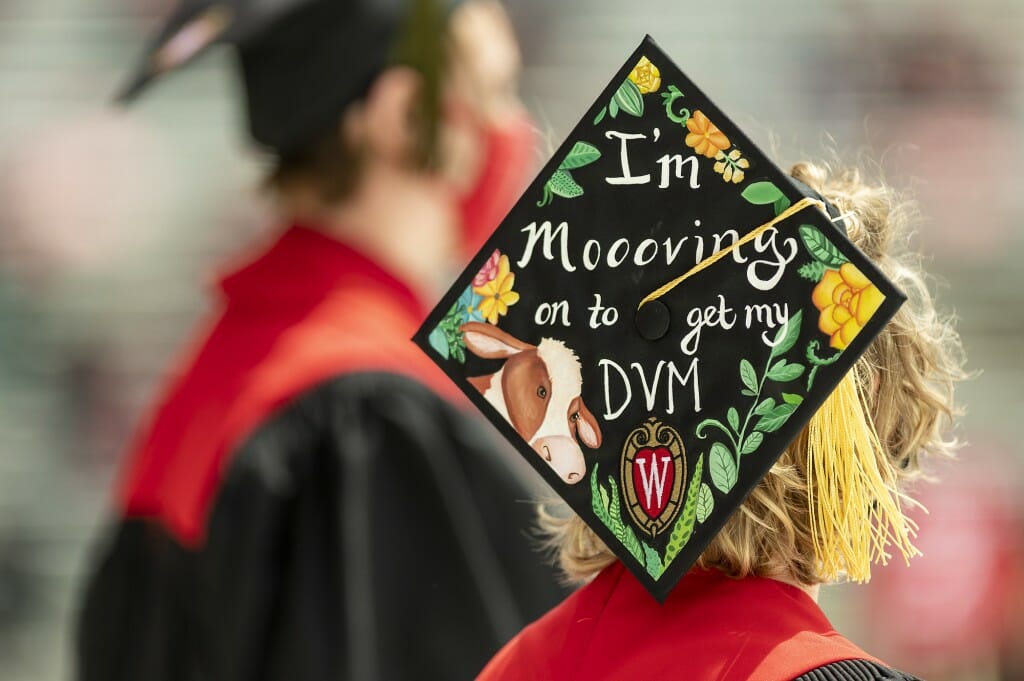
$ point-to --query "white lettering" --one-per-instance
(545, 232)
(650, 391)
(638, 257)
(590, 261)
(698, 318)
(673, 372)
(547, 313)
(678, 160)
(626, 177)
(656, 480)
(762, 243)
(618, 246)
(610, 415)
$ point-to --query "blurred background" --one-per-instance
(111, 223)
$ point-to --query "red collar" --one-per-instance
(710, 628)
(306, 309)
(302, 266)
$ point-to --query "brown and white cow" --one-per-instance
(537, 390)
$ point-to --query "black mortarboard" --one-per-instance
(657, 319)
(302, 61)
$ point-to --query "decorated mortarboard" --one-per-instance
(302, 61)
(659, 317)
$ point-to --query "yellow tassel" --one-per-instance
(855, 508)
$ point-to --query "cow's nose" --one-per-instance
(564, 455)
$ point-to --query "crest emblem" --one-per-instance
(653, 475)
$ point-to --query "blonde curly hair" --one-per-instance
(906, 378)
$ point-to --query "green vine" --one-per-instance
(743, 439)
(668, 99)
(817, 362)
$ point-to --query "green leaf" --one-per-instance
(699, 430)
(812, 271)
(613, 108)
(787, 335)
(605, 504)
(623, 532)
(614, 509)
(752, 442)
(705, 502)
(600, 115)
(786, 372)
(775, 419)
(652, 561)
(723, 468)
(746, 392)
(683, 528)
(439, 341)
(629, 98)
(630, 541)
(818, 245)
(790, 398)
(599, 499)
(458, 352)
(781, 204)
(562, 184)
(581, 154)
(765, 406)
(734, 419)
(748, 375)
(762, 193)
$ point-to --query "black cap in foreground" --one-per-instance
(658, 317)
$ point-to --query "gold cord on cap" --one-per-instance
(747, 238)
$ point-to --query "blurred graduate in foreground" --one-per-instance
(307, 501)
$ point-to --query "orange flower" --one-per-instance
(705, 137)
(646, 76)
(847, 300)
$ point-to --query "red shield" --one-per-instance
(653, 478)
(653, 475)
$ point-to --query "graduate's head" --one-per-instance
(334, 85)
(905, 391)
(446, 86)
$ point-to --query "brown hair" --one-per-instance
(907, 377)
(333, 166)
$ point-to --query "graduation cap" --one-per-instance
(659, 317)
(302, 61)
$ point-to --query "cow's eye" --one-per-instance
(542, 392)
(575, 417)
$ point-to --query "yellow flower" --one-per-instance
(646, 76)
(731, 167)
(847, 300)
(705, 137)
(497, 294)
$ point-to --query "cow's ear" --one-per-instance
(490, 342)
(587, 427)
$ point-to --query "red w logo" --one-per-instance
(652, 473)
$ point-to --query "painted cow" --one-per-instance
(537, 390)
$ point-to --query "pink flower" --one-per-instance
(489, 271)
